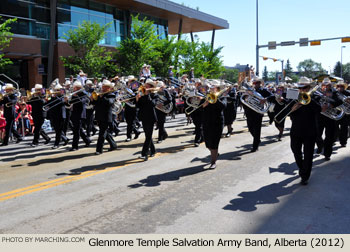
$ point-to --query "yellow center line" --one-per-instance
(56, 182)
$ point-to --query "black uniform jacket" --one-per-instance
(37, 108)
(146, 105)
(304, 120)
(104, 107)
(9, 112)
(57, 112)
(79, 108)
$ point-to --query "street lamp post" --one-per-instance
(257, 39)
(341, 61)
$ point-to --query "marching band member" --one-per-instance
(130, 113)
(230, 110)
(280, 102)
(38, 115)
(161, 116)
(325, 123)
(57, 115)
(198, 113)
(271, 112)
(9, 101)
(213, 124)
(78, 102)
(343, 124)
(90, 117)
(67, 122)
(104, 107)
(254, 119)
(303, 132)
(146, 103)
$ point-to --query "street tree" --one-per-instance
(346, 72)
(337, 69)
(310, 68)
(265, 74)
(5, 39)
(230, 75)
(88, 56)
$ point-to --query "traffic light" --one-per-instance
(265, 58)
(315, 43)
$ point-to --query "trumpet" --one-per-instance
(95, 95)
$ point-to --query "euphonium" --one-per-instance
(253, 101)
(335, 113)
(346, 104)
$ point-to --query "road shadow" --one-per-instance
(269, 194)
(155, 180)
(102, 166)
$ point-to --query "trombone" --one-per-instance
(95, 94)
(212, 98)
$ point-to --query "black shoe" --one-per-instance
(88, 144)
(128, 140)
(145, 158)
(303, 182)
(97, 153)
(343, 145)
(228, 134)
(319, 150)
(34, 144)
(196, 144)
(112, 148)
(137, 135)
(327, 158)
(66, 142)
(159, 141)
(254, 149)
(47, 141)
(73, 149)
(165, 136)
(153, 154)
(19, 139)
(54, 147)
(4, 144)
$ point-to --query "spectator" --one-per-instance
(2, 124)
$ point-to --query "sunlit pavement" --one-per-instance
(57, 191)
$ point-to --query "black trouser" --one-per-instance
(303, 145)
(78, 132)
(38, 123)
(329, 125)
(10, 128)
(131, 126)
(342, 130)
(104, 133)
(162, 134)
(67, 122)
(198, 131)
(58, 127)
(90, 121)
(254, 125)
(271, 116)
(148, 144)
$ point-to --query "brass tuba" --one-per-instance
(253, 101)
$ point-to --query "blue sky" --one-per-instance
(279, 20)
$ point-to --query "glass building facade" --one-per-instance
(33, 18)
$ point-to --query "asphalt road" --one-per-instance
(57, 191)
